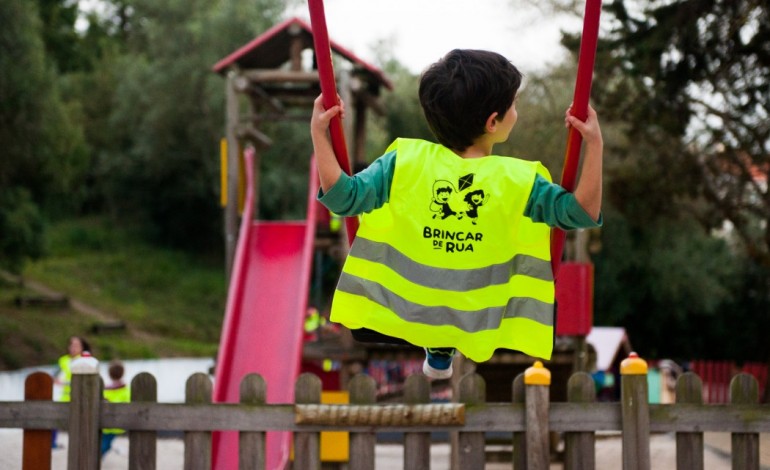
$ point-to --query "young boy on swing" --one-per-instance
(453, 249)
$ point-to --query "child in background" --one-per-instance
(116, 392)
(453, 248)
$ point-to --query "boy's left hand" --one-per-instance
(319, 121)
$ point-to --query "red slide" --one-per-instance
(264, 318)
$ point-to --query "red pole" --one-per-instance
(579, 110)
(329, 91)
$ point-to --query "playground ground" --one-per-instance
(608, 453)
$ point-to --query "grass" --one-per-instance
(172, 302)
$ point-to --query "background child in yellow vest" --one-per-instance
(76, 345)
(453, 247)
(116, 392)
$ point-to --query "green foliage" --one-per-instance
(43, 150)
(21, 228)
(157, 150)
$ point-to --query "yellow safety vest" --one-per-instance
(117, 395)
(66, 377)
(450, 260)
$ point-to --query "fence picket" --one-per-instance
(689, 445)
(363, 391)
(86, 397)
(519, 438)
(307, 447)
(744, 390)
(417, 444)
(635, 411)
(580, 447)
(143, 445)
(197, 444)
(251, 444)
(537, 381)
(36, 446)
(473, 391)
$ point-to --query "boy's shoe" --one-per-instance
(438, 363)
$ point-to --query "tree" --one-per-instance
(159, 166)
(43, 151)
(693, 74)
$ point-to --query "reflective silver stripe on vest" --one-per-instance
(468, 321)
(458, 280)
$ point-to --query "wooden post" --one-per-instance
(580, 447)
(537, 380)
(251, 445)
(233, 155)
(471, 452)
(689, 445)
(744, 390)
(36, 447)
(519, 438)
(635, 412)
(307, 446)
(84, 432)
(363, 391)
(417, 444)
(142, 445)
(197, 444)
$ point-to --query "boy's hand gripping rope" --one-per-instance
(329, 91)
(579, 110)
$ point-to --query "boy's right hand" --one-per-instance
(319, 121)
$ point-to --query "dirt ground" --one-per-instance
(608, 453)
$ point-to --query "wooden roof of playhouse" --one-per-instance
(273, 48)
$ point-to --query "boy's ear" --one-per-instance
(491, 123)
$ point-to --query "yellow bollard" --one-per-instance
(633, 365)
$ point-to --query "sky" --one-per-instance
(422, 31)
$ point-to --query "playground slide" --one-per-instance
(264, 318)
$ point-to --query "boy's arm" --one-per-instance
(328, 168)
(589, 188)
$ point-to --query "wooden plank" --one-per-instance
(471, 454)
(363, 391)
(745, 446)
(36, 444)
(580, 447)
(520, 435)
(537, 433)
(84, 432)
(307, 446)
(636, 422)
(251, 444)
(142, 445)
(689, 445)
(197, 444)
(417, 444)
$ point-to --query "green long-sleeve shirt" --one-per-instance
(367, 190)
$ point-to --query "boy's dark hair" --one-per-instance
(116, 370)
(459, 92)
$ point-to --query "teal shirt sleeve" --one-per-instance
(553, 205)
(363, 192)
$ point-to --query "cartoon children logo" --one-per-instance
(449, 201)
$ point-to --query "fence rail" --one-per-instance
(529, 417)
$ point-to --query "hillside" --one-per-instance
(170, 303)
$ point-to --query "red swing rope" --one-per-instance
(580, 110)
(330, 97)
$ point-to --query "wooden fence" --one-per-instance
(529, 418)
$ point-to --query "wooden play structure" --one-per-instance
(274, 78)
